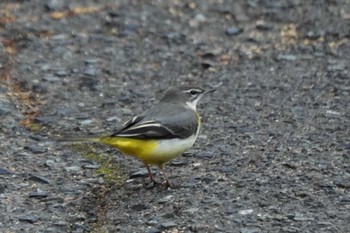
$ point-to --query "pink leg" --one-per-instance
(167, 182)
(149, 173)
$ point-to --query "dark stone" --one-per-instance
(139, 207)
(342, 183)
(154, 230)
(250, 230)
(47, 120)
(141, 173)
(246, 129)
(4, 171)
(207, 179)
(40, 179)
(226, 169)
(191, 210)
(29, 218)
(345, 146)
(3, 187)
(205, 154)
(128, 29)
(61, 73)
(178, 163)
(168, 225)
(90, 70)
(38, 194)
(36, 149)
(5, 109)
(264, 26)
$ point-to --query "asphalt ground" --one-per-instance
(273, 152)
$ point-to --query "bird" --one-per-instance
(161, 133)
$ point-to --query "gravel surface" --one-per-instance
(273, 153)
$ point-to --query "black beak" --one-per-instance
(209, 91)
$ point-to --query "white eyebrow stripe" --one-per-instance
(197, 90)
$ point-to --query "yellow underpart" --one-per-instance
(140, 148)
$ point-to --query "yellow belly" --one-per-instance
(135, 147)
(150, 151)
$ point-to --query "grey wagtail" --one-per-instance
(161, 133)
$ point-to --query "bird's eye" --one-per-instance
(193, 92)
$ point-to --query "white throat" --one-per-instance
(192, 105)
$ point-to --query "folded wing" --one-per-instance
(162, 123)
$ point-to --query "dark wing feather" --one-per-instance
(128, 124)
(164, 122)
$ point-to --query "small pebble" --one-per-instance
(29, 218)
(38, 194)
(61, 73)
(90, 70)
(191, 210)
(113, 118)
(345, 146)
(250, 230)
(189, 184)
(165, 199)
(5, 109)
(300, 218)
(54, 5)
(207, 179)
(129, 29)
(263, 26)
(178, 163)
(91, 61)
(342, 183)
(40, 179)
(72, 169)
(51, 78)
(4, 171)
(286, 57)
(197, 20)
(36, 149)
(246, 212)
(154, 230)
(139, 207)
(92, 166)
(205, 154)
(233, 31)
(46, 119)
(324, 223)
(59, 37)
(141, 173)
(313, 35)
(50, 163)
(226, 169)
(334, 113)
(168, 225)
(86, 122)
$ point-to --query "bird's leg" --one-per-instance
(151, 177)
(167, 182)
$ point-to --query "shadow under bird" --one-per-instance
(161, 133)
